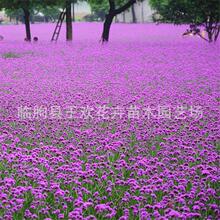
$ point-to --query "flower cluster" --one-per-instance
(109, 169)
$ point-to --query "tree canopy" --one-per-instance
(101, 7)
(197, 13)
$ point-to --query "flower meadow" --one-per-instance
(115, 167)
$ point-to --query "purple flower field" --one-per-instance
(128, 130)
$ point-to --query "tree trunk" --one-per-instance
(142, 11)
(68, 21)
(74, 11)
(27, 24)
(217, 33)
(110, 16)
(210, 36)
(124, 17)
(134, 19)
(116, 19)
(107, 26)
(209, 28)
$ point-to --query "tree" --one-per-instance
(69, 34)
(198, 13)
(26, 6)
(16, 14)
(113, 11)
(50, 13)
(108, 9)
(99, 8)
(74, 2)
(67, 4)
(27, 20)
(134, 19)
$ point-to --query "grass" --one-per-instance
(9, 55)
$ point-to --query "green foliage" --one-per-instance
(101, 7)
(27, 4)
(14, 13)
(14, 8)
(187, 11)
(17, 4)
(50, 12)
(49, 8)
(194, 12)
(10, 55)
